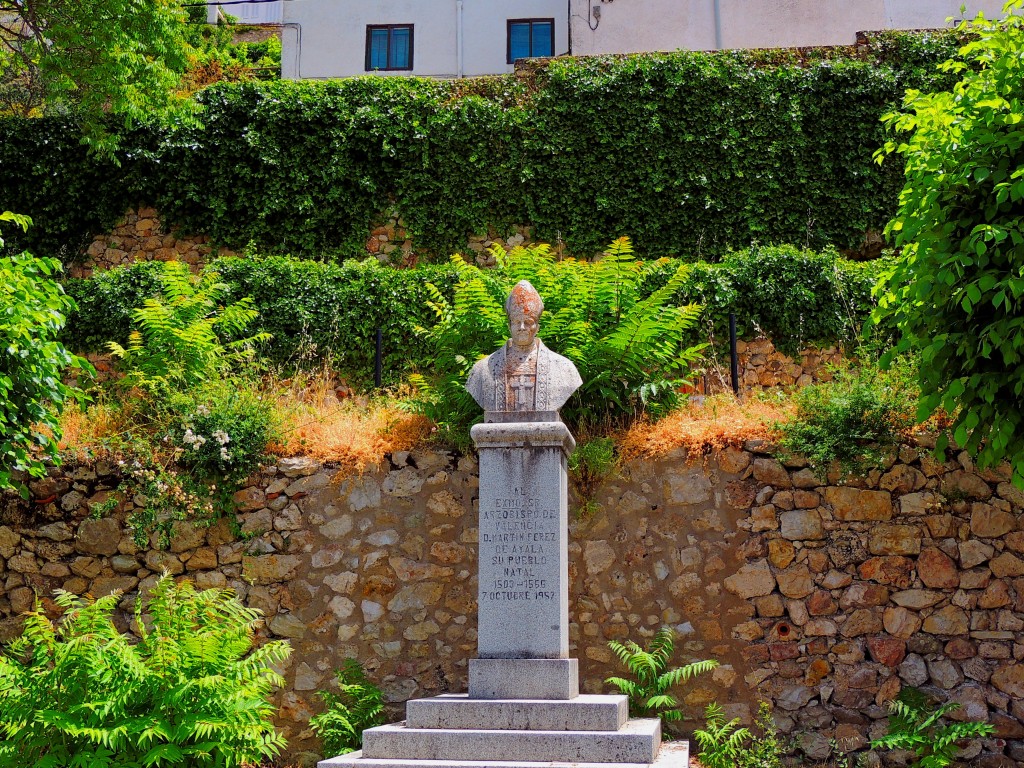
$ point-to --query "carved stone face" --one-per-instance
(522, 327)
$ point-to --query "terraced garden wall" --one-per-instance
(820, 596)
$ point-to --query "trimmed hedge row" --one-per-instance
(317, 311)
(689, 154)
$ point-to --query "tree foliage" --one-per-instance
(103, 57)
(33, 311)
(115, 64)
(957, 293)
(191, 692)
(628, 347)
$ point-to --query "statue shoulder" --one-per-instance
(481, 375)
(562, 369)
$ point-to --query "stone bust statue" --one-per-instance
(523, 377)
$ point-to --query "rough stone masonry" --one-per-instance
(819, 596)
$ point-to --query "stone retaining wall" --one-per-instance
(823, 598)
(140, 236)
(762, 366)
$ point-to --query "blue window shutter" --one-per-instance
(379, 49)
(519, 41)
(400, 48)
(542, 39)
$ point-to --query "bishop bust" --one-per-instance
(524, 380)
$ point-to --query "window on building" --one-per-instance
(388, 46)
(530, 37)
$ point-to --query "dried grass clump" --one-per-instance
(705, 425)
(99, 430)
(354, 432)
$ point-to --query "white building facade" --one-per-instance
(629, 26)
(434, 38)
(464, 38)
(248, 13)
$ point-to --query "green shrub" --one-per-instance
(105, 303)
(169, 495)
(191, 692)
(627, 347)
(329, 312)
(221, 430)
(956, 294)
(721, 743)
(915, 725)
(851, 419)
(33, 310)
(698, 153)
(795, 297)
(648, 690)
(592, 462)
(358, 706)
(184, 336)
(190, 451)
(765, 750)
(724, 745)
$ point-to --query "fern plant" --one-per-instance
(648, 691)
(359, 706)
(185, 336)
(191, 692)
(721, 743)
(629, 350)
(914, 724)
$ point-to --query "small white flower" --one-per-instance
(221, 437)
(202, 410)
(224, 454)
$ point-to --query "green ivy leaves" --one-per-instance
(688, 154)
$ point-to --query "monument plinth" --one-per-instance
(524, 708)
(523, 594)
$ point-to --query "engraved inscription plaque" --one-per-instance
(523, 589)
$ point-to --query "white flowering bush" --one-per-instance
(220, 431)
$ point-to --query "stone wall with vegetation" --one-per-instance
(762, 367)
(821, 596)
(141, 236)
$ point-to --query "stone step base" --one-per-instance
(457, 711)
(557, 679)
(636, 742)
(673, 755)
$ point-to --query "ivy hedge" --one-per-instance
(689, 154)
(327, 311)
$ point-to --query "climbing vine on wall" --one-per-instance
(704, 152)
